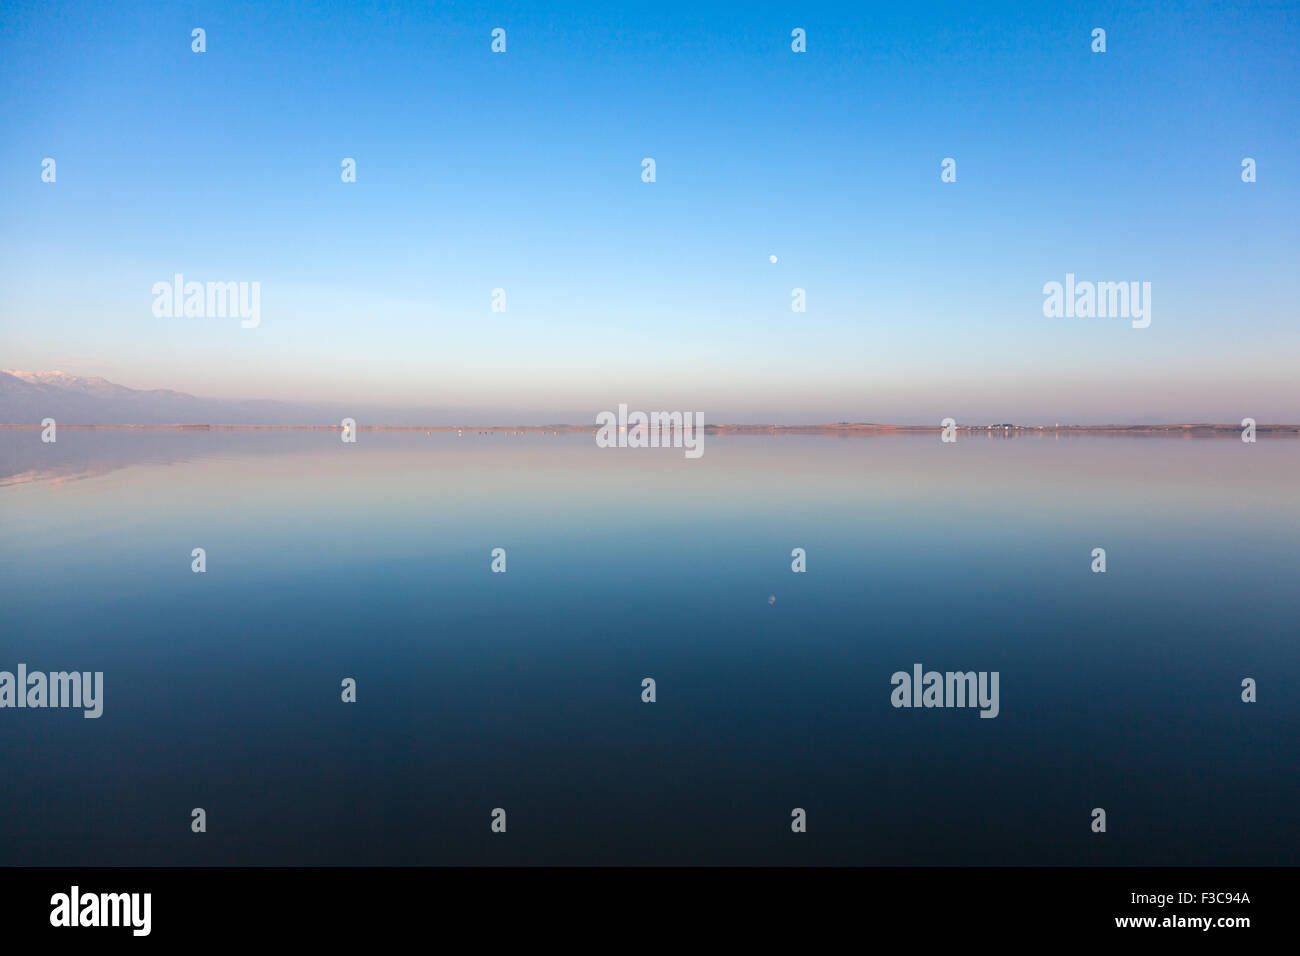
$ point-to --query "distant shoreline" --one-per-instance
(842, 428)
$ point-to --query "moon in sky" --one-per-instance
(771, 259)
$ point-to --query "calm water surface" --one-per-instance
(523, 690)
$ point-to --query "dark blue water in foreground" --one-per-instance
(523, 690)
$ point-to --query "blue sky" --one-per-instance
(522, 171)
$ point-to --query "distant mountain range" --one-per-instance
(28, 397)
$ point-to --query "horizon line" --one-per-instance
(839, 427)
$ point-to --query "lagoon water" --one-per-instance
(522, 690)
